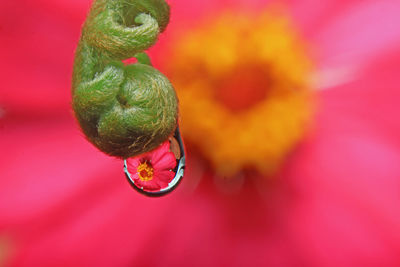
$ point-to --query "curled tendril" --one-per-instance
(123, 110)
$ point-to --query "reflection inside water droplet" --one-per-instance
(175, 148)
(157, 172)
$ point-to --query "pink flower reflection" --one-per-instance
(153, 171)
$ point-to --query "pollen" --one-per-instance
(243, 84)
(145, 171)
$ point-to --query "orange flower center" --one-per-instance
(243, 81)
(250, 85)
(145, 171)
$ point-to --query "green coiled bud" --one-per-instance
(124, 110)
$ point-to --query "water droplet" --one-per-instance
(158, 172)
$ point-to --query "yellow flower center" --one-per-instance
(243, 85)
(145, 171)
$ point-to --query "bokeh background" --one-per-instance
(333, 199)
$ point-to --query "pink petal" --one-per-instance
(43, 167)
(162, 184)
(167, 162)
(372, 99)
(133, 163)
(148, 185)
(347, 174)
(359, 33)
(134, 174)
(165, 176)
(159, 152)
(311, 17)
(46, 67)
(349, 185)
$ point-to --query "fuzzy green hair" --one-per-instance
(123, 110)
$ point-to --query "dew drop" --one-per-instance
(166, 176)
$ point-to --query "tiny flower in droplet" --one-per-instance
(153, 171)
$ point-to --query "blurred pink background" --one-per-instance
(334, 202)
